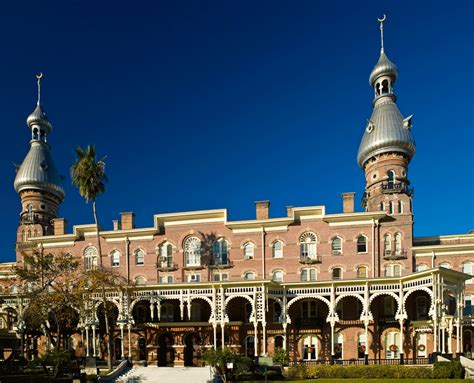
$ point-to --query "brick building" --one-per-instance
(351, 286)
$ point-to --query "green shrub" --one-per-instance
(297, 372)
(448, 370)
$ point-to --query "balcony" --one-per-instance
(193, 266)
(310, 260)
(217, 264)
(395, 254)
(386, 319)
(309, 322)
(166, 266)
(396, 187)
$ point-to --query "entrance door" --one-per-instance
(165, 350)
(392, 342)
(310, 347)
(192, 350)
(142, 349)
(118, 348)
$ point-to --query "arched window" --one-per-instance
(446, 265)
(361, 345)
(392, 270)
(362, 272)
(220, 252)
(115, 258)
(338, 345)
(421, 267)
(384, 86)
(90, 257)
(140, 281)
(336, 246)
(279, 341)
(400, 207)
(192, 251)
(139, 257)
(30, 212)
(390, 179)
(387, 244)
(166, 255)
(362, 244)
(308, 245)
(23, 235)
(277, 276)
(390, 207)
(382, 206)
(249, 249)
(308, 275)
(14, 289)
(467, 268)
(398, 244)
(337, 273)
(249, 275)
(277, 249)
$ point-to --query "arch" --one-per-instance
(249, 250)
(391, 293)
(359, 297)
(208, 301)
(362, 242)
(409, 292)
(307, 296)
(250, 299)
(277, 248)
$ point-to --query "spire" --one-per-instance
(38, 121)
(39, 77)
(381, 31)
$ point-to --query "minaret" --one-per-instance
(387, 145)
(37, 180)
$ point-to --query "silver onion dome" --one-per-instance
(384, 67)
(38, 117)
(386, 131)
(38, 171)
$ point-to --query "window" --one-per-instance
(14, 289)
(308, 245)
(167, 312)
(398, 244)
(421, 267)
(390, 178)
(308, 275)
(362, 244)
(277, 313)
(249, 275)
(166, 279)
(421, 341)
(392, 270)
(389, 306)
(166, 255)
(361, 345)
(140, 281)
(192, 251)
(336, 246)
(277, 276)
(90, 257)
(310, 347)
(193, 278)
(337, 273)
(390, 207)
(250, 346)
(392, 345)
(467, 305)
(467, 268)
(309, 309)
(382, 206)
(446, 265)
(249, 248)
(30, 212)
(277, 249)
(115, 258)
(338, 345)
(139, 257)
(195, 312)
(362, 272)
(220, 277)
(220, 252)
(279, 340)
(387, 244)
(400, 207)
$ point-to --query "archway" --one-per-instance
(142, 354)
(165, 350)
(118, 348)
(192, 350)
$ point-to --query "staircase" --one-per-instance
(166, 375)
(468, 365)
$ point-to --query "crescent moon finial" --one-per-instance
(381, 20)
(39, 76)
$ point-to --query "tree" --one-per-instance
(88, 174)
(219, 361)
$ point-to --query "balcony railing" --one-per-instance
(217, 264)
(309, 260)
(396, 187)
(395, 254)
(166, 266)
(386, 319)
(315, 322)
(193, 266)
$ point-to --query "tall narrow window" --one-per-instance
(467, 305)
(192, 251)
(337, 273)
(220, 252)
(467, 268)
(362, 272)
(362, 244)
(421, 308)
(390, 178)
(398, 244)
(115, 258)
(277, 249)
(382, 206)
(400, 207)
(308, 245)
(139, 257)
(387, 244)
(336, 246)
(390, 207)
(166, 255)
(249, 248)
(90, 257)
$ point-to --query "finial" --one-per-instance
(381, 21)
(39, 76)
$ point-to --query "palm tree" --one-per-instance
(89, 176)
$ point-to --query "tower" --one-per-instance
(387, 145)
(37, 180)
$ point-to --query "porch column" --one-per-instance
(435, 335)
(121, 343)
(450, 338)
(255, 327)
(264, 338)
(129, 326)
(93, 342)
(214, 327)
(152, 311)
(366, 350)
(286, 335)
(331, 339)
(401, 342)
(222, 334)
(443, 339)
(82, 341)
(87, 341)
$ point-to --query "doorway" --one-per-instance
(192, 350)
(165, 350)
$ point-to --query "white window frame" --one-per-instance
(249, 250)
(192, 251)
(90, 257)
(249, 273)
(277, 253)
(139, 257)
(308, 245)
(277, 276)
(467, 269)
(336, 245)
(366, 244)
(115, 258)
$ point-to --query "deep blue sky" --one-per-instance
(203, 105)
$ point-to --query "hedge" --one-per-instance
(441, 370)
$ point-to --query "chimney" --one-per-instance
(116, 224)
(289, 211)
(348, 202)
(59, 226)
(262, 209)
(127, 220)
